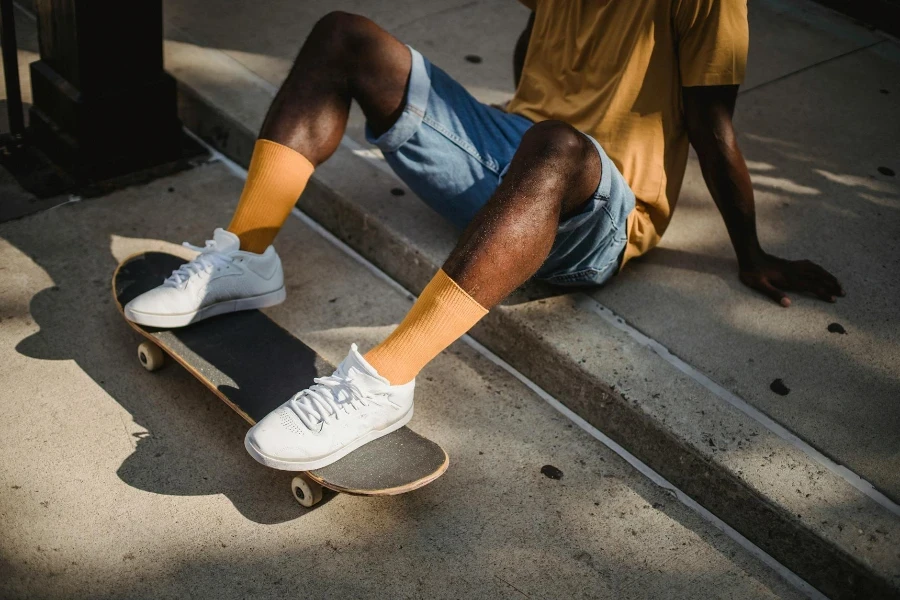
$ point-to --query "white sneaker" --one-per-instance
(334, 417)
(221, 279)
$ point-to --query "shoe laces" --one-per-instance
(207, 261)
(330, 398)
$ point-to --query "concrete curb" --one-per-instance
(805, 516)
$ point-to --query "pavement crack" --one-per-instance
(128, 435)
(512, 586)
(808, 67)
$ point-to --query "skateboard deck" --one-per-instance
(254, 366)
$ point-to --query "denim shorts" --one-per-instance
(453, 151)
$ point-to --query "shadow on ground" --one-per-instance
(191, 443)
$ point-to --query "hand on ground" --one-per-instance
(775, 276)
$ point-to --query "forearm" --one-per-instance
(729, 184)
(708, 113)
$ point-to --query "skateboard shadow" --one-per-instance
(186, 442)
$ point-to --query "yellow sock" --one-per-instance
(276, 178)
(441, 315)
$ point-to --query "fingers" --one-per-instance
(799, 276)
(829, 281)
(817, 286)
(773, 292)
(820, 282)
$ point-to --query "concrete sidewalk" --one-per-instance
(764, 458)
(809, 68)
(117, 483)
(818, 117)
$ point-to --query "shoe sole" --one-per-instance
(220, 308)
(286, 465)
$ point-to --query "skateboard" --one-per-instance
(254, 366)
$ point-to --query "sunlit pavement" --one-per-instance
(818, 120)
(818, 116)
(117, 482)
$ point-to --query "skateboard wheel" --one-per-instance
(307, 493)
(150, 356)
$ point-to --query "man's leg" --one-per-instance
(554, 172)
(346, 57)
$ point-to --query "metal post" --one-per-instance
(103, 107)
(11, 69)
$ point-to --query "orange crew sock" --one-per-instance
(276, 178)
(441, 315)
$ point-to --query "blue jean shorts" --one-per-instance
(453, 151)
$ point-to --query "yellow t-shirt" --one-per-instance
(614, 69)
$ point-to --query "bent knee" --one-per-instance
(345, 32)
(556, 140)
